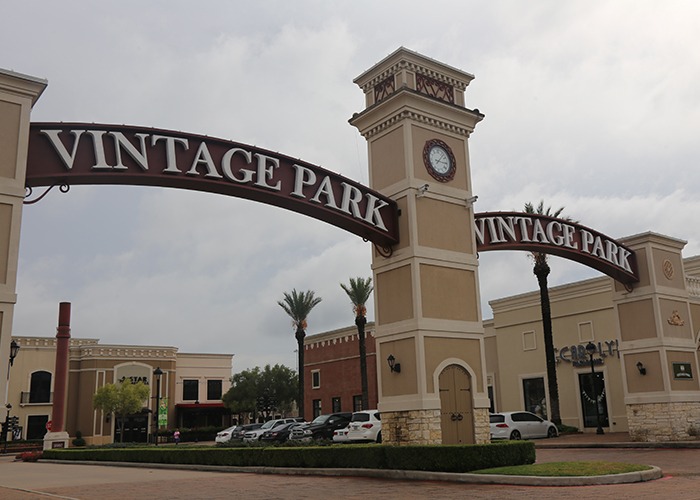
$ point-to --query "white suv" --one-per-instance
(254, 435)
(365, 425)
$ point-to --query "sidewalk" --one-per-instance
(607, 440)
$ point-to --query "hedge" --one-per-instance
(446, 458)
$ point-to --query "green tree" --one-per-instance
(122, 400)
(541, 270)
(278, 382)
(298, 305)
(359, 291)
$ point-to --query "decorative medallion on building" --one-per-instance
(668, 269)
(435, 88)
(384, 88)
(439, 160)
(675, 319)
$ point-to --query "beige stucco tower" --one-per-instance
(18, 93)
(428, 315)
(658, 324)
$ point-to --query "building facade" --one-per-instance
(190, 388)
(332, 371)
(652, 396)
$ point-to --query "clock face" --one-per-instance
(439, 160)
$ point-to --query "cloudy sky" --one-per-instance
(594, 106)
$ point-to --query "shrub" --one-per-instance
(78, 441)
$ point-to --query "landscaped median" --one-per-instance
(446, 458)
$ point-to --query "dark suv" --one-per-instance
(322, 427)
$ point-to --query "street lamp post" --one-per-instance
(157, 373)
(591, 349)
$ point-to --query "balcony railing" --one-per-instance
(692, 284)
(31, 398)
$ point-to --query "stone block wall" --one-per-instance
(482, 426)
(659, 422)
(411, 427)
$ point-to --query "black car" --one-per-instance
(280, 433)
(322, 427)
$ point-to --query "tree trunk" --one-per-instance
(360, 321)
(300, 334)
(541, 270)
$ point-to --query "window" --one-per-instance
(316, 404)
(214, 390)
(190, 390)
(315, 379)
(357, 403)
(534, 396)
(36, 426)
(492, 406)
(335, 403)
(40, 387)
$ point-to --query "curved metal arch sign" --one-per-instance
(81, 153)
(541, 233)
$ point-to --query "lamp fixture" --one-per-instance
(14, 349)
(642, 369)
(393, 365)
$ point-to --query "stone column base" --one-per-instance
(411, 427)
(660, 422)
(482, 426)
(56, 440)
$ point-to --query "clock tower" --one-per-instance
(429, 333)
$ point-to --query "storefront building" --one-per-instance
(190, 388)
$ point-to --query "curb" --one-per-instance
(456, 477)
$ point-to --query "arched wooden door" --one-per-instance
(456, 406)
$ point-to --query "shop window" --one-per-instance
(36, 426)
(316, 379)
(190, 390)
(40, 387)
(335, 403)
(594, 403)
(214, 390)
(316, 405)
(357, 403)
(534, 395)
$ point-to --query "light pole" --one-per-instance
(590, 349)
(14, 349)
(6, 427)
(157, 373)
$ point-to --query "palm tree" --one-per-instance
(541, 270)
(359, 292)
(298, 305)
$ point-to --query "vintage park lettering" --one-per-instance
(538, 233)
(260, 168)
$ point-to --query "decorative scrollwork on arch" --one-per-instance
(64, 188)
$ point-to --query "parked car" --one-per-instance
(279, 433)
(322, 427)
(254, 435)
(340, 435)
(521, 425)
(365, 425)
(235, 433)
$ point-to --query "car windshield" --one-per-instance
(360, 417)
(321, 419)
(269, 424)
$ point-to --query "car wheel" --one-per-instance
(552, 432)
(379, 437)
(515, 435)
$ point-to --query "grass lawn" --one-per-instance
(555, 469)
